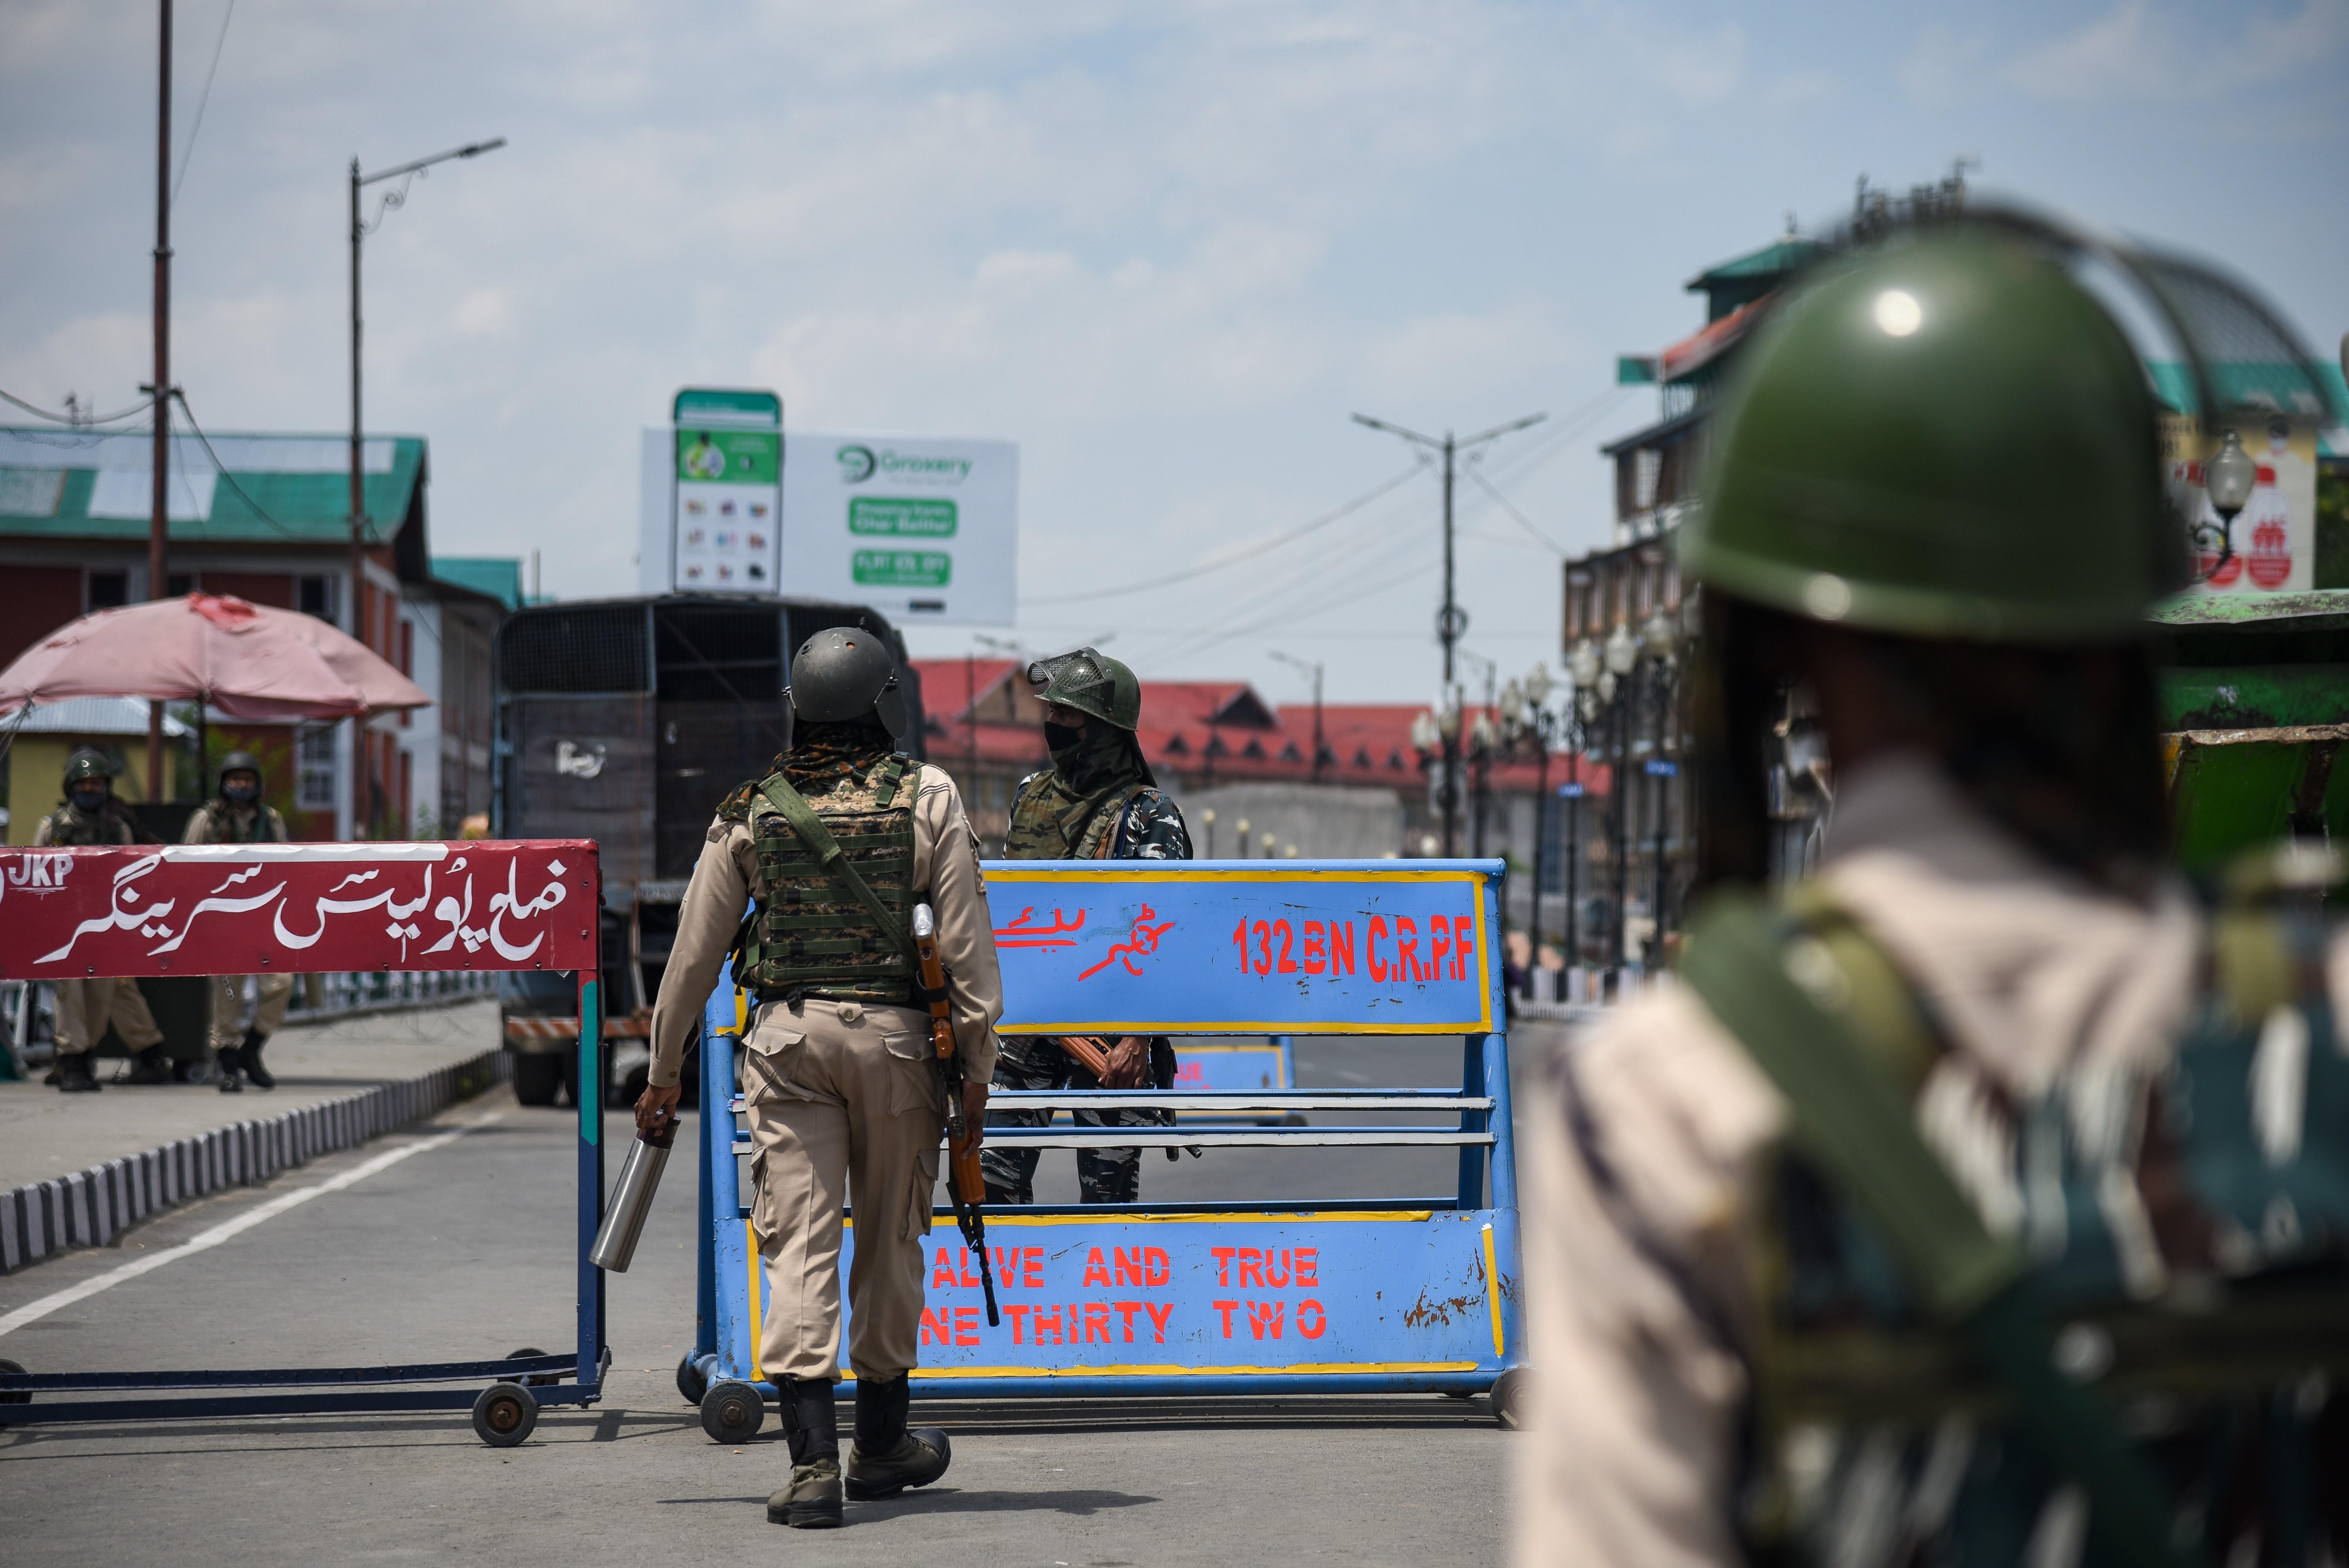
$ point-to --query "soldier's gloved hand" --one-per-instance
(657, 1109)
(1128, 1064)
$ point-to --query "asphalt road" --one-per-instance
(464, 1250)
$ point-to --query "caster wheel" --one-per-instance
(504, 1415)
(732, 1412)
(15, 1395)
(192, 1072)
(1508, 1399)
(692, 1378)
(537, 1379)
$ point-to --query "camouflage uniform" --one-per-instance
(222, 821)
(85, 1006)
(1125, 820)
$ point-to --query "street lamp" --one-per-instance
(392, 200)
(2228, 478)
(1208, 816)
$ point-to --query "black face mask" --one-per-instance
(90, 801)
(241, 795)
(1064, 740)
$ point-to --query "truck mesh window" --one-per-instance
(718, 653)
(561, 649)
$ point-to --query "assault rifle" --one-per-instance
(964, 1185)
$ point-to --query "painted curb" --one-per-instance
(90, 1208)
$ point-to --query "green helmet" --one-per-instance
(843, 673)
(1944, 439)
(237, 762)
(88, 763)
(1090, 682)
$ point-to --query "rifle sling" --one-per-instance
(793, 808)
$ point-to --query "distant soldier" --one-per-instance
(833, 849)
(238, 814)
(1974, 1201)
(91, 815)
(1098, 801)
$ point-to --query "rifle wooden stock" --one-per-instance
(1089, 1051)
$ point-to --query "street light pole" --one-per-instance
(1450, 621)
(362, 805)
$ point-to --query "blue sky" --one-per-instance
(1168, 248)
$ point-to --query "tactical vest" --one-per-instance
(266, 826)
(811, 935)
(2182, 1235)
(1048, 822)
(69, 827)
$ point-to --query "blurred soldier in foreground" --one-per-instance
(238, 814)
(838, 1077)
(1977, 1201)
(1098, 801)
(91, 815)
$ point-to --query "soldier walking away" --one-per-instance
(90, 813)
(237, 815)
(838, 1076)
(1098, 801)
(1959, 1206)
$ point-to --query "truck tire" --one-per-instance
(537, 1075)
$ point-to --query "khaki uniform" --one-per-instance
(1647, 1137)
(842, 1100)
(221, 822)
(84, 1007)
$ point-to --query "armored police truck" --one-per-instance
(627, 721)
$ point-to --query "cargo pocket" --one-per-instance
(768, 1058)
(913, 1079)
(924, 1195)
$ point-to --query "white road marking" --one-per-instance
(32, 1312)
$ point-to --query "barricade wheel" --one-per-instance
(1508, 1399)
(505, 1415)
(15, 1395)
(537, 1379)
(537, 1077)
(732, 1412)
(692, 1379)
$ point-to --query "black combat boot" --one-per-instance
(231, 1070)
(153, 1065)
(249, 1059)
(73, 1074)
(887, 1459)
(812, 1426)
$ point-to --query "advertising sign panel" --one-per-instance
(922, 528)
(724, 458)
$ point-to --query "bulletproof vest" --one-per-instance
(811, 934)
(221, 824)
(68, 827)
(2187, 1238)
(1050, 823)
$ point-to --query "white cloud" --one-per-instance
(2139, 52)
(1946, 66)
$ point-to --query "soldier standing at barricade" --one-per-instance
(1798, 1228)
(838, 1079)
(91, 815)
(238, 814)
(1098, 801)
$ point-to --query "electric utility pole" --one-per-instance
(1314, 670)
(1450, 621)
(158, 520)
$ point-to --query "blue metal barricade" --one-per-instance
(1386, 1296)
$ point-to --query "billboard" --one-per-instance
(924, 528)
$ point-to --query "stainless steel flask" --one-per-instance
(632, 1199)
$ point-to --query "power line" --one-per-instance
(1250, 554)
(202, 99)
(74, 419)
(258, 511)
(1540, 538)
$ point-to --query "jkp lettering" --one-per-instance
(1390, 950)
(40, 872)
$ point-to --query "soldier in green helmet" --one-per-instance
(1979, 1199)
(91, 813)
(832, 850)
(1098, 801)
(237, 815)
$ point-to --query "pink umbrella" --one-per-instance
(247, 661)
